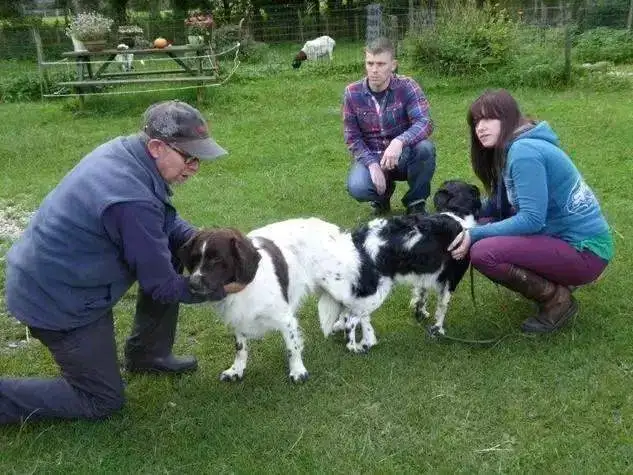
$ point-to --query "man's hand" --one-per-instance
(391, 155)
(234, 287)
(460, 245)
(378, 178)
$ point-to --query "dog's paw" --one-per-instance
(421, 314)
(368, 343)
(355, 347)
(231, 376)
(338, 326)
(435, 330)
(299, 377)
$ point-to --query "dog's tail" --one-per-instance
(329, 312)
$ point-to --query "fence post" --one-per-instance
(375, 27)
(40, 60)
(300, 26)
(393, 32)
(629, 20)
(411, 16)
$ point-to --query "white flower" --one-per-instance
(130, 30)
(89, 26)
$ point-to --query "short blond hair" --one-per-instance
(380, 45)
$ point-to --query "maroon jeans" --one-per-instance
(546, 256)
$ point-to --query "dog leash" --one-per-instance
(489, 341)
(472, 284)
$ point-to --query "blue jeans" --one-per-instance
(416, 165)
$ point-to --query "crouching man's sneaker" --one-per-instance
(380, 208)
(167, 364)
(417, 208)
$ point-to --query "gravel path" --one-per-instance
(12, 221)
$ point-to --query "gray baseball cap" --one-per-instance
(183, 126)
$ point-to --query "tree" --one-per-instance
(119, 12)
(13, 9)
(78, 6)
(181, 10)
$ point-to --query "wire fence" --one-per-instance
(280, 24)
(270, 40)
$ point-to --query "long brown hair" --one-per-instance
(488, 163)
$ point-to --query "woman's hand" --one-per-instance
(460, 245)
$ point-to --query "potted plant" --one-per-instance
(89, 30)
(199, 27)
(130, 35)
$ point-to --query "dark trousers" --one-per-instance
(416, 166)
(90, 386)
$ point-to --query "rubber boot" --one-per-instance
(148, 348)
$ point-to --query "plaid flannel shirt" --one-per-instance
(370, 127)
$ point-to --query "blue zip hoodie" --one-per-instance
(548, 193)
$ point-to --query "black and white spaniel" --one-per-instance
(412, 250)
(315, 49)
(352, 272)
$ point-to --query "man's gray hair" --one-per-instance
(380, 45)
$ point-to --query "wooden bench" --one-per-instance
(196, 74)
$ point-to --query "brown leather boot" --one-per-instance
(555, 302)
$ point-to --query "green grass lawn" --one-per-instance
(559, 403)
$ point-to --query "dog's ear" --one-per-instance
(441, 199)
(246, 258)
(184, 252)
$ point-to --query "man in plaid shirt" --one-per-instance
(387, 125)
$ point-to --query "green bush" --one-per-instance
(16, 41)
(464, 40)
(226, 36)
(537, 61)
(487, 45)
(24, 86)
(612, 13)
(532, 71)
(604, 44)
(253, 51)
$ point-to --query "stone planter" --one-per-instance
(78, 45)
(95, 45)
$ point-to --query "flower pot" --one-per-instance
(95, 45)
(195, 40)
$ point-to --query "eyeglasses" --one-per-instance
(187, 158)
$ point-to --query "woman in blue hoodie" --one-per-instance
(542, 231)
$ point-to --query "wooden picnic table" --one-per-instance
(190, 70)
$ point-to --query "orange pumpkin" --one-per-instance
(160, 43)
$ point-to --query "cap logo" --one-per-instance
(202, 130)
